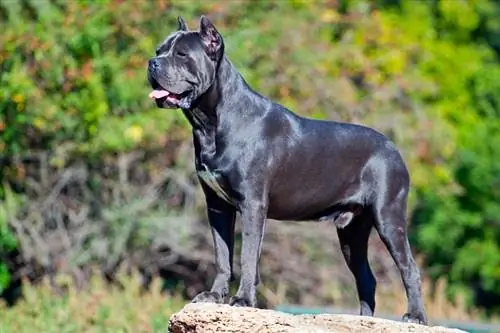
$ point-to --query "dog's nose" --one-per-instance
(153, 63)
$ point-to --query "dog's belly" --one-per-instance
(305, 191)
(298, 211)
(312, 204)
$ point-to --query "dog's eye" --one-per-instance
(180, 54)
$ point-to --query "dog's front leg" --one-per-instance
(253, 217)
(221, 217)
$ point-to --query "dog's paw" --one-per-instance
(207, 297)
(241, 301)
(415, 319)
(365, 309)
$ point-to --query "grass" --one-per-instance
(437, 305)
(100, 309)
(104, 308)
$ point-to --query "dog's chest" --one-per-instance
(213, 179)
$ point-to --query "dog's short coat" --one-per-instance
(256, 158)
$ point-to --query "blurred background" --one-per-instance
(102, 221)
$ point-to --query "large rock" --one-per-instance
(207, 318)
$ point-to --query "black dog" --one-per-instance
(256, 158)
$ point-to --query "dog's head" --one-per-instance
(185, 65)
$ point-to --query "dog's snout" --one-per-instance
(153, 63)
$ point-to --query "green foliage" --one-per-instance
(460, 233)
(426, 73)
(77, 83)
(8, 208)
(457, 228)
(100, 309)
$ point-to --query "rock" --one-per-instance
(207, 318)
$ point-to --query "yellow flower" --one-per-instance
(18, 98)
(39, 123)
(329, 16)
(134, 132)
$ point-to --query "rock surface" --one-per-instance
(208, 318)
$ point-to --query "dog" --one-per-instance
(257, 159)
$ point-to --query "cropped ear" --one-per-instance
(182, 24)
(212, 39)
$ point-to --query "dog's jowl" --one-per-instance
(258, 160)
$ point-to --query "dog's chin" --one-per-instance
(164, 103)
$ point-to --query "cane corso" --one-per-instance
(256, 158)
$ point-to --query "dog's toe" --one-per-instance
(241, 301)
(207, 297)
(414, 319)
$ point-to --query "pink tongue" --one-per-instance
(158, 94)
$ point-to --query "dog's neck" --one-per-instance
(223, 90)
(224, 103)
(220, 99)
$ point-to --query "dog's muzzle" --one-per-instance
(163, 96)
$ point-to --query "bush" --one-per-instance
(468, 255)
(77, 84)
(8, 243)
(75, 116)
(102, 308)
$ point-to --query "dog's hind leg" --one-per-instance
(390, 223)
(354, 245)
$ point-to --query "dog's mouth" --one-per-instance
(161, 95)
(165, 98)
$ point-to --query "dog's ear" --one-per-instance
(212, 40)
(182, 24)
